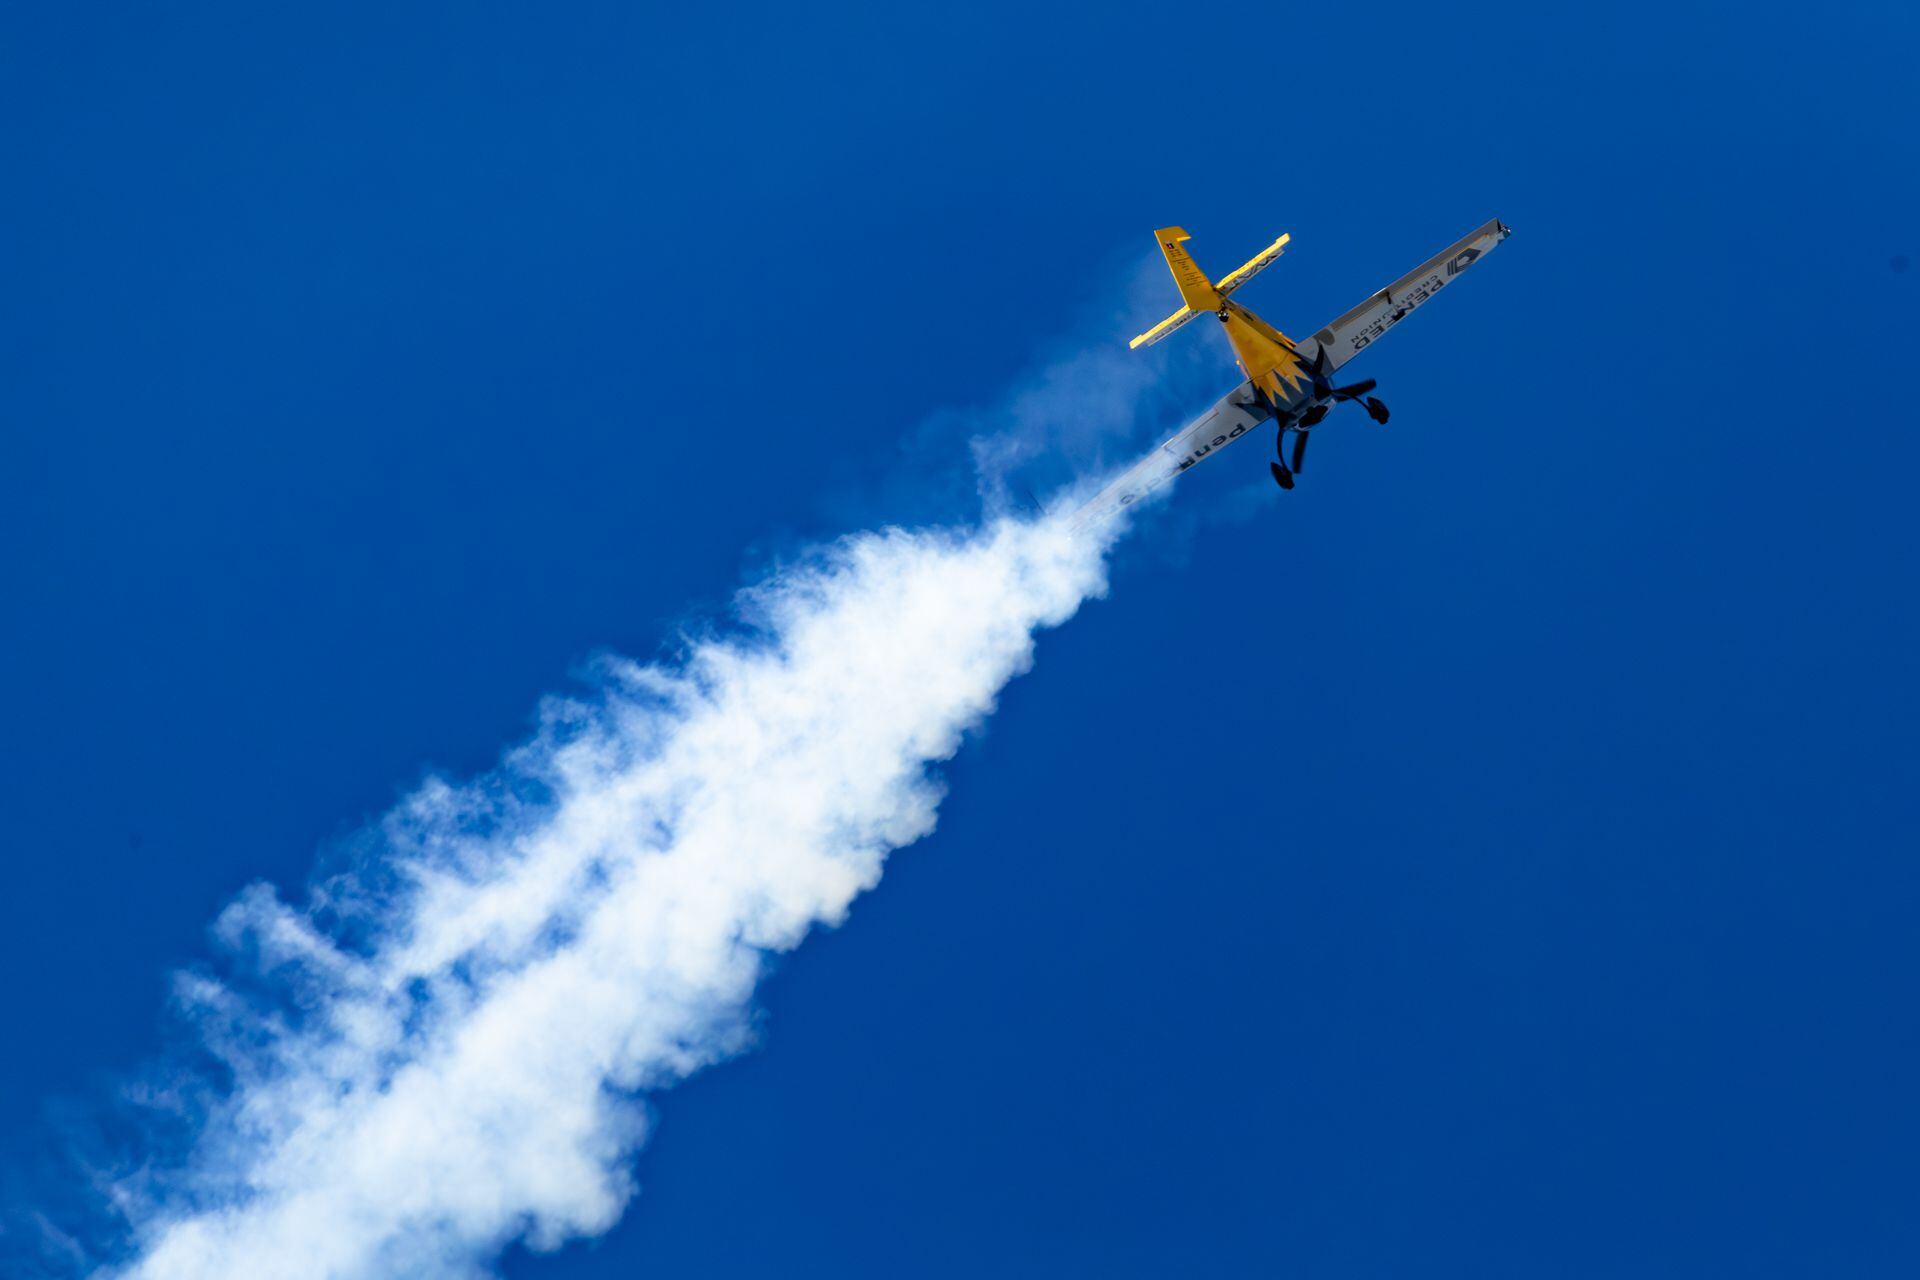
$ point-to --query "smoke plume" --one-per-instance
(447, 1050)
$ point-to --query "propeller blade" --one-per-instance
(1357, 390)
(1299, 451)
(1317, 372)
(1281, 476)
(1376, 411)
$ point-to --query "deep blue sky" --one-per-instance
(1497, 857)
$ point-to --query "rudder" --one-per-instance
(1195, 289)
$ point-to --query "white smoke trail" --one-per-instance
(463, 1027)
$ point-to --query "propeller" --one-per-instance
(1325, 395)
(1282, 476)
(1358, 393)
(1282, 473)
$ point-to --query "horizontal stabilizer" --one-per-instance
(1200, 294)
(1253, 266)
(1164, 328)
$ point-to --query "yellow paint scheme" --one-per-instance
(1195, 289)
(1162, 329)
(1185, 272)
(1252, 266)
(1266, 355)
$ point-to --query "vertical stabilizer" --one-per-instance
(1195, 289)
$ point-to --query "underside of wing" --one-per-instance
(1347, 336)
(1237, 413)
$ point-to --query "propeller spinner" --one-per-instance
(1327, 395)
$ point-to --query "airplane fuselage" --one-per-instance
(1265, 355)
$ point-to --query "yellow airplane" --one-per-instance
(1266, 355)
(1287, 381)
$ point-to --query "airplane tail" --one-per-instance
(1200, 294)
(1195, 289)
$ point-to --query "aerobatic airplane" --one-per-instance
(1288, 382)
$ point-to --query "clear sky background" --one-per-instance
(1495, 858)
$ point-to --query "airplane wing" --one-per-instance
(1345, 337)
(1236, 413)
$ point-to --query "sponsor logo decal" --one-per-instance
(1213, 444)
(1408, 300)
